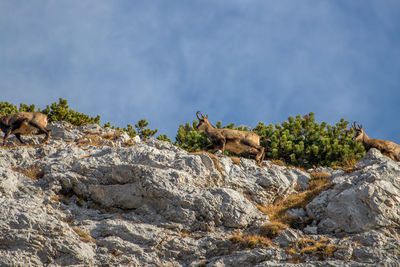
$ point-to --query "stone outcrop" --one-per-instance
(94, 196)
(364, 200)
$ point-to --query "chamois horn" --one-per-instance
(197, 114)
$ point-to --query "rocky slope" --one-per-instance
(94, 196)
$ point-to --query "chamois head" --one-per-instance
(203, 122)
(359, 132)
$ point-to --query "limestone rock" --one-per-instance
(364, 200)
(94, 196)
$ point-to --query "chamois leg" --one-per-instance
(388, 154)
(18, 135)
(260, 155)
(220, 146)
(223, 147)
(397, 157)
(257, 150)
(6, 134)
(42, 130)
(213, 146)
(209, 147)
(47, 133)
(219, 143)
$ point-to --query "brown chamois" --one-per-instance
(387, 148)
(234, 141)
(24, 123)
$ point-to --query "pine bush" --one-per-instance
(299, 141)
(191, 140)
(61, 112)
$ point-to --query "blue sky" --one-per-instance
(237, 61)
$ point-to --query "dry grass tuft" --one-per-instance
(34, 172)
(116, 252)
(351, 169)
(321, 248)
(278, 162)
(295, 257)
(185, 234)
(272, 229)
(319, 175)
(277, 211)
(101, 140)
(213, 158)
(348, 166)
(250, 241)
(216, 162)
(129, 143)
(83, 236)
(304, 242)
(111, 136)
(323, 251)
(248, 197)
(318, 180)
(235, 160)
(191, 235)
(17, 144)
(350, 163)
(358, 244)
(297, 187)
(55, 198)
(90, 139)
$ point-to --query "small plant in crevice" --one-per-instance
(90, 139)
(164, 137)
(55, 198)
(249, 241)
(144, 132)
(235, 160)
(322, 248)
(277, 211)
(83, 236)
(272, 229)
(214, 159)
(34, 172)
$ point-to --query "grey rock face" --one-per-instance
(94, 196)
(364, 200)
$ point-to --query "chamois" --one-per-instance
(388, 148)
(24, 123)
(232, 140)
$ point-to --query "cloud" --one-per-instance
(238, 61)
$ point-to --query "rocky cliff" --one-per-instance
(93, 196)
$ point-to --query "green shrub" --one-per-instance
(191, 140)
(56, 112)
(7, 108)
(303, 141)
(61, 112)
(299, 141)
(164, 137)
(144, 132)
